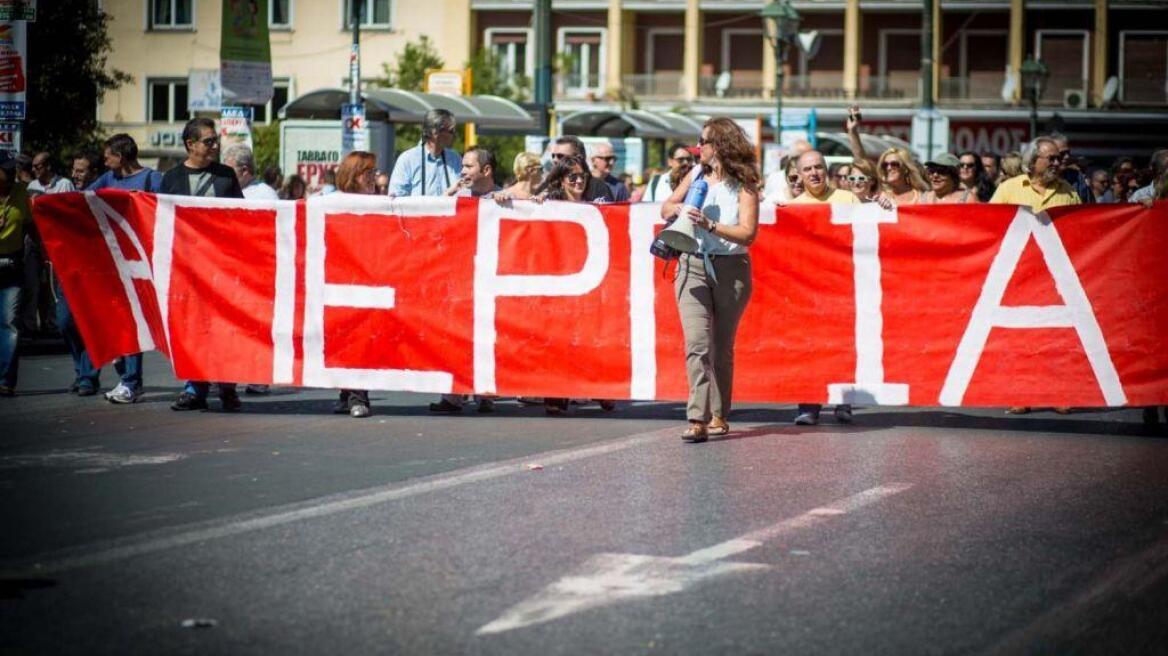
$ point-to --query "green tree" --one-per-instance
(487, 78)
(408, 73)
(266, 142)
(68, 48)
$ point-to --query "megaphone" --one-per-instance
(679, 235)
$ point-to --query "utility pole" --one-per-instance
(542, 26)
(927, 64)
(355, 53)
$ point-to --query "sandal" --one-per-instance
(717, 427)
(695, 433)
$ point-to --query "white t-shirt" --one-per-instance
(260, 191)
(777, 190)
(57, 185)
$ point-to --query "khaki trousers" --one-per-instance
(709, 319)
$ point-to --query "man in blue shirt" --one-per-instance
(124, 172)
(431, 167)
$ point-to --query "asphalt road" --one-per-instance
(285, 529)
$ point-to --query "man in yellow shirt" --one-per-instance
(813, 173)
(14, 215)
(1042, 186)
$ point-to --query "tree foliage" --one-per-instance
(409, 70)
(68, 48)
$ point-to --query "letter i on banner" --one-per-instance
(989, 312)
(869, 386)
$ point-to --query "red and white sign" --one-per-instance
(929, 305)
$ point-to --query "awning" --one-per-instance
(632, 123)
(397, 106)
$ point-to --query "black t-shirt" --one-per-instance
(214, 180)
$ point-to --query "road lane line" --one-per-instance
(610, 578)
(155, 541)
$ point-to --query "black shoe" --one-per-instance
(445, 406)
(341, 407)
(1151, 417)
(230, 402)
(607, 405)
(187, 401)
(75, 386)
(86, 389)
(486, 405)
(555, 406)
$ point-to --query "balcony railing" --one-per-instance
(743, 84)
(666, 85)
(977, 87)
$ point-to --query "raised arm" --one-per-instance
(853, 127)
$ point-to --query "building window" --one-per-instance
(280, 14)
(281, 94)
(1143, 67)
(509, 47)
(166, 100)
(1065, 53)
(899, 64)
(172, 14)
(374, 13)
(582, 59)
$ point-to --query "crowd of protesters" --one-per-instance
(713, 286)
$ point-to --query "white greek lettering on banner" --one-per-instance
(989, 312)
(643, 218)
(490, 285)
(284, 300)
(869, 386)
(319, 294)
(128, 270)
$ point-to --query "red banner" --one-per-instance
(927, 305)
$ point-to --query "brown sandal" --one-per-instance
(717, 427)
(695, 433)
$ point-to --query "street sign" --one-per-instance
(235, 126)
(930, 134)
(13, 71)
(205, 94)
(354, 132)
(10, 134)
(450, 82)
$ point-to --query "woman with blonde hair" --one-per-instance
(862, 182)
(899, 174)
(1011, 165)
(713, 285)
(528, 175)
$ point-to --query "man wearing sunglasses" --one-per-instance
(603, 160)
(660, 188)
(431, 167)
(202, 175)
(1041, 186)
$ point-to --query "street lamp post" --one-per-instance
(1034, 75)
(784, 25)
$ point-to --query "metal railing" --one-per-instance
(668, 84)
(977, 87)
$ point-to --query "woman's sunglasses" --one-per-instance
(858, 179)
(575, 177)
(893, 164)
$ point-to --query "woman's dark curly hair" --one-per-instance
(554, 184)
(735, 153)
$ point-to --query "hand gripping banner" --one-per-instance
(952, 305)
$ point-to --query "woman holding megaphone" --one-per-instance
(713, 283)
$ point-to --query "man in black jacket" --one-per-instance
(202, 175)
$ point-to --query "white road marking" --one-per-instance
(152, 542)
(610, 578)
(88, 459)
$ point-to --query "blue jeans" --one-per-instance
(130, 370)
(9, 335)
(86, 373)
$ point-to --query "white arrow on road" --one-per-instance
(611, 578)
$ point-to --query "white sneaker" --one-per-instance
(123, 394)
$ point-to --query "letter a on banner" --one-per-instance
(990, 313)
(128, 270)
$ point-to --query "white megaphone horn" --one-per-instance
(679, 235)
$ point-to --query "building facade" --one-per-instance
(702, 56)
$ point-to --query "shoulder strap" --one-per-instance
(206, 184)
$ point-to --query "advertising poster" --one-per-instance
(13, 70)
(235, 126)
(245, 54)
